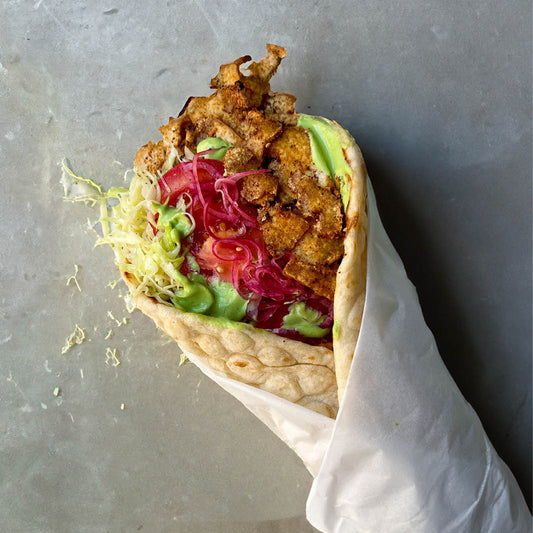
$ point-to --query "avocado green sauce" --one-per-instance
(212, 143)
(217, 299)
(227, 302)
(328, 140)
(175, 224)
(336, 331)
(194, 296)
(305, 321)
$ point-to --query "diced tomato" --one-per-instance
(222, 268)
(208, 261)
(180, 179)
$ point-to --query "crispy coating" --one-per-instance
(280, 107)
(229, 74)
(240, 159)
(258, 131)
(285, 195)
(313, 200)
(292, 149)
(151, 156)
(317, 250)
(227, 103)
(321, 279)
(280, 103)
(259, 189)
(267, 67)
(281, 228)
(214, 127)
(256, 83)
(174, 131)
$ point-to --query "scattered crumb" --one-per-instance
(122, 406)
(81, 373)
(118, 322)
(76, 337)
(57, 392)
(109, 334)
(44, 406)
(74, 278)
(183, 359)
(112, 284)
(111, 358)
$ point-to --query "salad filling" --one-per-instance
(189, 241)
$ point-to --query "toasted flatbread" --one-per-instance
(311, 376)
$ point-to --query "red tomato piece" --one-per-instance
(180, 178)
(209, 261)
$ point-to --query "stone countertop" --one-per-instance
(437, 95)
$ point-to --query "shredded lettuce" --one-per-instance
(146, 237)
(152, 257)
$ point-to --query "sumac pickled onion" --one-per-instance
(229, 246)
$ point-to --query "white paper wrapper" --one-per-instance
(406, 453)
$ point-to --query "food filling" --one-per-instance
(238, 212)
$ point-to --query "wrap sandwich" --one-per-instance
(243, 236)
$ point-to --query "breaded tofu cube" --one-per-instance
(259, 189)
(319, 278)
(292, 149)
(280, 107)
(240, 159)
(280, 103)
(151, 156)
(214, 127)
(258, 131)
(313, 200)
(281, 228)
(317, 250)
(174, 131)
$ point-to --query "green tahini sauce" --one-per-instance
(328, 142)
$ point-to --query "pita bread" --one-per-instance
(311, 376)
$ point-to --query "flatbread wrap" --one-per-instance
(243, 236)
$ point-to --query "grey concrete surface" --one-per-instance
(438, 95)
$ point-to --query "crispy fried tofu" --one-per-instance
(259, 189)
(280, 103)
(151, 156)
(285, 195)
(174, 131)
(280, 107)
(240, 159)
(229, 74)
(258, 131)
(214, 127)
(315, 201)
(257, 82)
(319, 278)
(281, 228)
(266, 68)
(227, 104)
(317, 250)
(292, 149)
